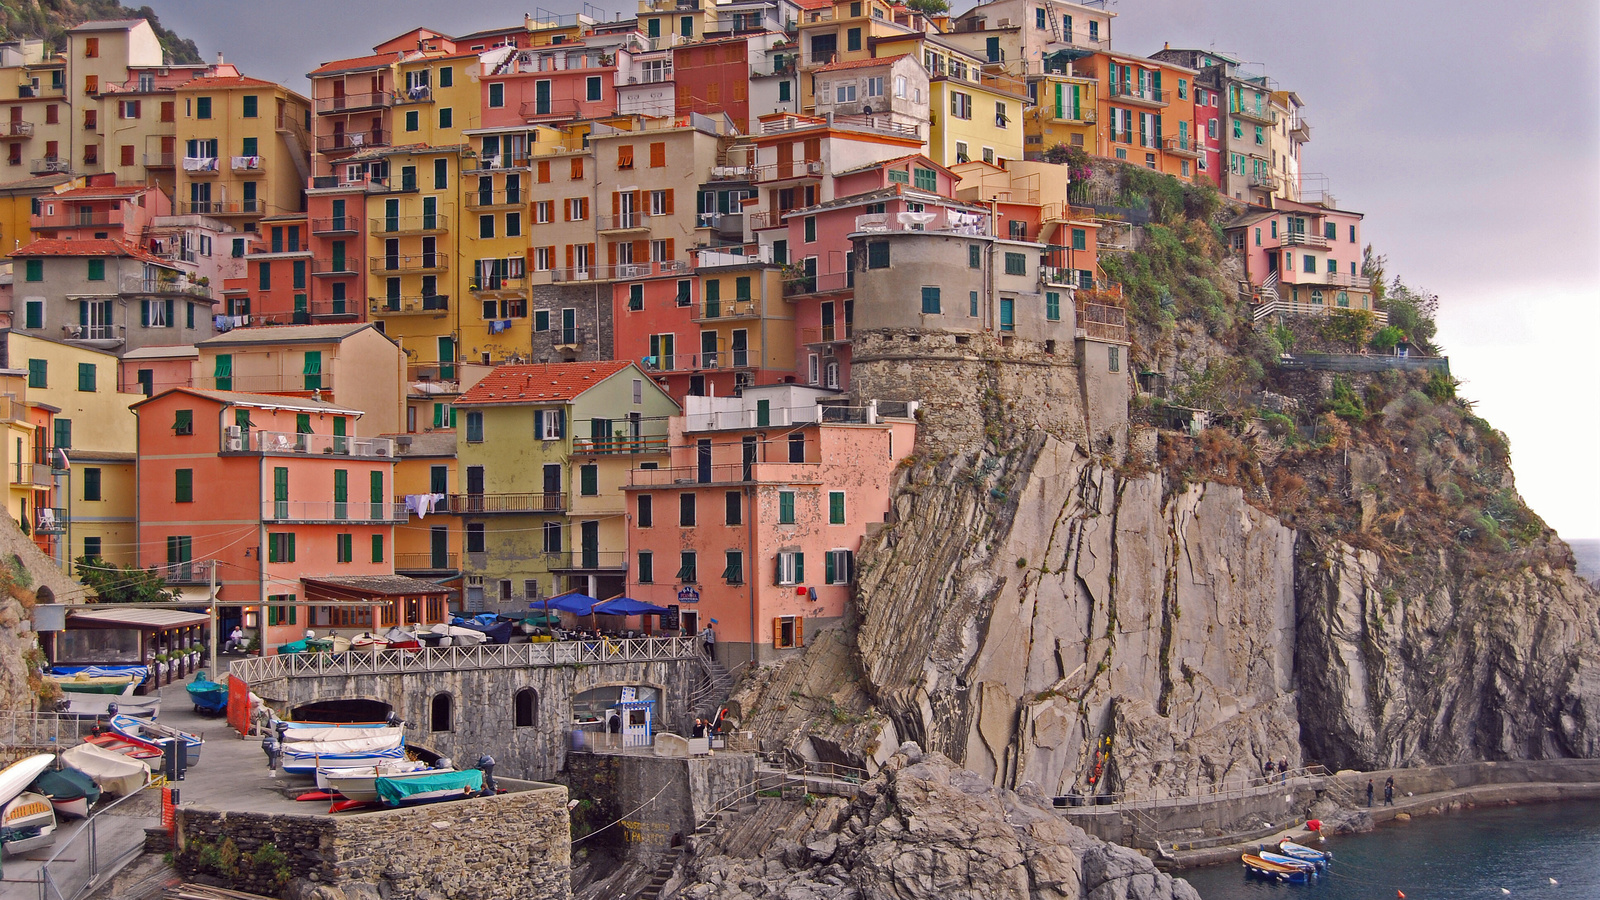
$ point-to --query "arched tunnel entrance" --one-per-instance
(342, 711)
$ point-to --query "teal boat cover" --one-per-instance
(396, 791)
(66, 784)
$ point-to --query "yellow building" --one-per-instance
(16, 207)
(91, 421)
(745, 324)
(429, 544)
(667, 24)
(243, 148)
(38, 130)
(1065, 115)
(974, 117)
(850, 30)
(99, 55)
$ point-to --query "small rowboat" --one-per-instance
(1304, 865)
(209, 697)
(71, 792)
(456, 636)
(98, 679)
(296, 726)
(429, 787)
(129, 727)
(307, 763)
(114, 773)
(1255, 865)
(360, 783)
(140, 750)
(28, 822)
(368, 642)
(1301, 851)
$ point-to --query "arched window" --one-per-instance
(1316, 296)
(439, 713)
(527, 708)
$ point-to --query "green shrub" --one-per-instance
(1346, 403)
(1385, 339)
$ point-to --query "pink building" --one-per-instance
(1304, 258)
(754, 525)
(100, 210)
(551, 84)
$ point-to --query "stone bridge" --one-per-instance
(481, 685)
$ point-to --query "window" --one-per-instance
(91, 485)
(497, 95)
(91, 48)
(1308, 263)
(686, 510)
(838, 567)
(786, 507)
(1080, 239)
(1016, 264)
(474, 427)
(791, 567)
(784, 96)
(486, 226)
(658, 154)
(844, 92)
(280, 546)
(797, 447)
(344, 548)
(593, 88)
(733, 570)
(439, 712)
(646, 514)
(930, 300)
(541, 320)
(1052, 306)
(875, 86)
(475, 538)
(97, 270)
(1352, 234)
(684, 288)
(183, 422)
(635, 297)
(38, 373)
(63, 434)
(86, 377)
(925, 179)
(836, 507)
(900, 86)
(35, 272)
(686, 567)
(1260, 137)
(441, 175)
(446, 117)
(1330, 230)
(877, 254)
(589, 480)
(972, 304)
(624, 156)
(734, 512)
(525, 705)
(202, 108)
(647, 567)
(550, 424)
(447, 76)
(377, 548)
(1113, 359)
(974, 256)
(960, 105)
(810, 229)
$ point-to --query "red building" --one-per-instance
(100, 210)
(713, 77)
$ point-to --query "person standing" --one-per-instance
(1388, 791)
(709, 638)
(1369, 793)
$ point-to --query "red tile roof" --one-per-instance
(862, 63)
(96, 247)
(206, 82)
(358, 62)
(109, 190)
(549, 383)
(815, 4)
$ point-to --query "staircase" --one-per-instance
(660, 877)
(710, 694)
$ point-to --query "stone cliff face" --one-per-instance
(1027, 604)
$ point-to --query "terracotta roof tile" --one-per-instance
(206, 82)
(109, 190)
(357, 62)
(98, 247)
(548, 383)
(862, 63)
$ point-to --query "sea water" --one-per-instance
(1470, 855)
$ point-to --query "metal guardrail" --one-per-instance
(454, 659)
(78, 864)
(24, 728)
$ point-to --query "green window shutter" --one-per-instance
(930, 300)
(144, 313)
(302, 423)
(763, 413)
(1077, 102)
(799, 567)
(35, 270)
(169, 321)
(1060, 98)
(184, 485)
(64, 434)
(1080, 239)
(264, 276)
(786, 507)
(97, 270)
(1052, 306)
(377, 548)
(829, 576)
(836, 507)
(313, 370)
(589, 480)
(377, 487)
(290, 536)
(86, 377)
(341, 485)
(38, 373)
(974, 256)
(35, 315)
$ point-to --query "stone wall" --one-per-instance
(659, 800)
(483, 718)
(512, 846)
(593, 305)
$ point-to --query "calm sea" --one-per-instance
(1472, 855)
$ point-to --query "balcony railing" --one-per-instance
(500, 162)
(352, 102)
(625, 222)
(50, 520)
(497, 284)
(643, 444)
(726, 473)
(427, 262)
(1181, 146)
(196, 571)
(780, 171)
(711, 361)
(343, 141)
(99, 219)
(221, 207)
(50, 165)
(137, 285)
(160, 160)
(335, 309)
(280, 442)
(428, 305)
(200, 165)
(337, 225)
(827, 334)
(821, 283)
(474, 504)
(742, 308)
(422, 93)
(1264, 180)
(1129, 92)
(1101, 321)
(491, 199)
(1266, 116)
(938, 219)
(564, 109)
(19, 129)
(360, 510)
(35, 474)
(1304, 239)
(433, 224)
(571, 560)
(245, 163)
(334, 267)
(426, 562)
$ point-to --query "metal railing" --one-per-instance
(820, 283)
(221, 207)
(1102, 321)
(49, 164)
(469, 504)
(725, 473)
(83, 859)
(337, 267)
(190, 572)
(134, 284)
(426, 305)
(487, 199)
(196, 165)
(1279, 306)
(245, 163)
(19, 129)
(738, 308)
(410, 224)
(352, 102)
(21, 729)
(332, 511)
(160, 160)
(425, 562)
(624, 221)
(346, 224)
(421, 93)
(50, 520)
(352, 140)
(454, 659)
(588, 559)
(35, 474)
(644, 444)
(827, 334)
(533, 109)
(1264, 116)
(427, 262)
(315, 444)
(1123, 90)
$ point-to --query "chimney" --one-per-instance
(219, 57)
(527, 22)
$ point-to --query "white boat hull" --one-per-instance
(116, 774)
(364, 788)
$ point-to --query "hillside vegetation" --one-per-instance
(51, 19)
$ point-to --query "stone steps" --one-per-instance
(659, 878)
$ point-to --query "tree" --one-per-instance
(929, 7)
(1349, 327)
(122, 584)
(1412, 312)
(1372, 265)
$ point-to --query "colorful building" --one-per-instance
(101, 209)
(755, 522)
(244, 146)
(1303, 259)
(107, 295)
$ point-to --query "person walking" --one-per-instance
(709, 637)
(1369, 793)
(1283, 770)
(1388, 791)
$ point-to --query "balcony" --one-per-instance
(1099, 320)
(50, 165)
(818, 57)
(18, 129)
(97, 219)
(426, 562)
(160, 160)
(784, 171)
(1305, 239)
(434, 224)
(630, 221)
(221, 207)
(828, 334)
(1125, 92)
(351, 141)
(823, 283)
(164, 286)
(40, 475)
(49, 520)
(1268, 116)
(604, 446)
(497, 285)
(570, 337)
(554, 109)
(280, 443)
(335, 309)
(495, 199)
(501, 162)
(337, 225)
(320, 511)
(245, 163)
(726, 473)
(938, 220)
(100, 337)
(422, 93)
(346, 103)
(486, 504)
(409, 265)
(1182, 147)
(200, 165)
(1266, 181)
(334, 268)
(587, 560)
(196, 571)
(714, 310)
(713, 361)
(1085, 114)
(436, 305)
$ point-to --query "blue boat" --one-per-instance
(294, 763)
(209, 697)
(1301, 851)
(150, 732)
(414, 790)
(1256, 867)
(1304, 865)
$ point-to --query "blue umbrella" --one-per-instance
(577, 604)
(627, 606)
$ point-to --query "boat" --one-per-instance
(1304, 865)
(400, 639)
(98, 679)
(28, 822)
(70, 791)
(142, 750)
(457, 636)
(293, 737)
(210, 698)
(494, 630)
(1301, 851)
(429, 787)
(1255, 865)
(357, 782)
(129, 727)
(99, 706)
(15, 778)
(298, 726)
(116, 774)
(340, 643)
(295, 763)
(368, 642)
(300, 646)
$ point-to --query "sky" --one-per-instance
(1467, 132)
